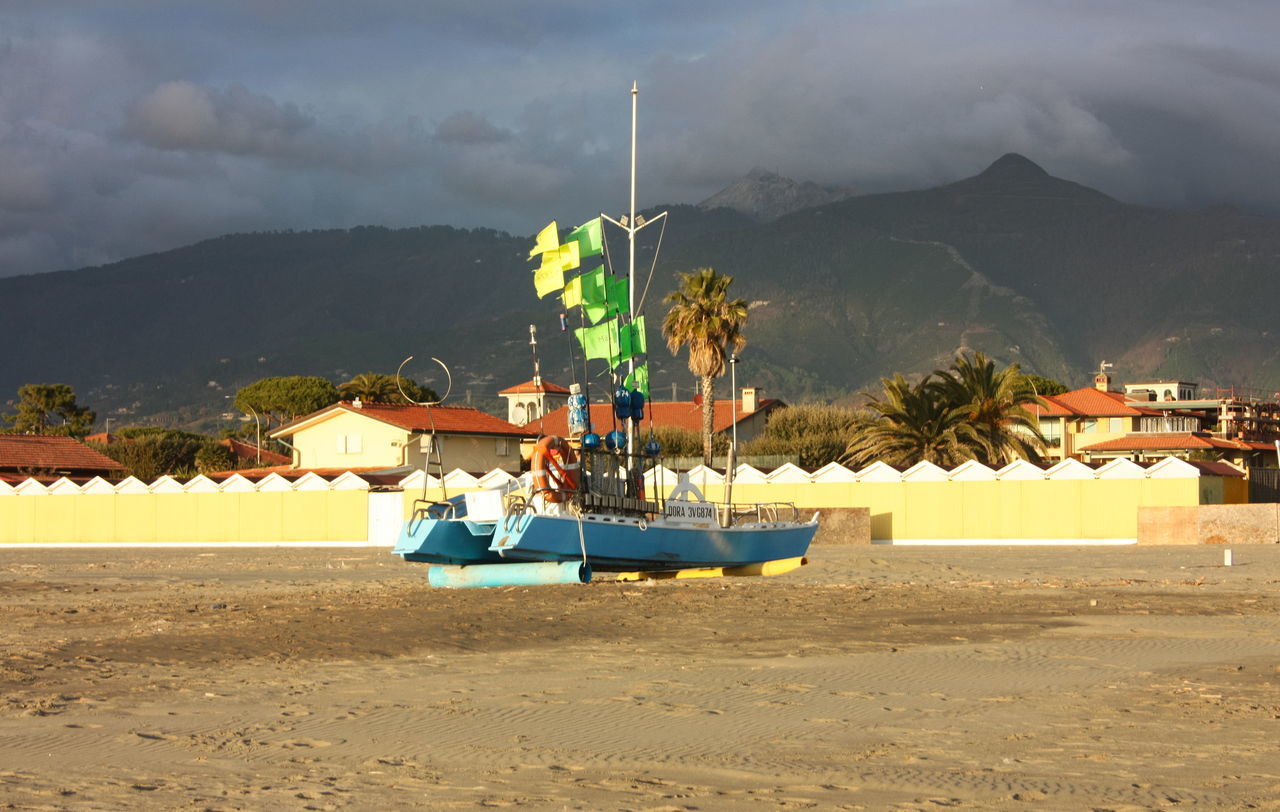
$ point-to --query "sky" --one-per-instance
(134, 126)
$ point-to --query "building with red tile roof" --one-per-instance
(1095, 423)
(49, 457)
(752, 413)
(533, 400)
(351, 434)
(1157, 445)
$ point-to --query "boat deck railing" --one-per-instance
(758, 513)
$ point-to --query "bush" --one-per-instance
(678, 442)
(815, 434)
(151, 452)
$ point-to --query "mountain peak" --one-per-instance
(766, 195)
(1012, 166)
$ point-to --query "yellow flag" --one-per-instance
(548, 238)
(549, 277)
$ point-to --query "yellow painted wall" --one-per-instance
(184, 517)
(380, 443)
(989, 509)
(474, 454)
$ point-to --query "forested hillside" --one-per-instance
(1024, 266)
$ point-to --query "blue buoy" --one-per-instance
(533, 573)
(591, 441)
(637, 405)
(615, 440)
(653, 448)
(622, 403)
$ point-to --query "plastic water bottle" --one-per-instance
(577, 410)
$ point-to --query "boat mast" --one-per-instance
(631, 223)
(631, 252)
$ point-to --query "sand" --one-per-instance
(875, 678)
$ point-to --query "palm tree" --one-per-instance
(375, 387)
(370, 387)
(703, 318)
(995, 404)
(913, 423)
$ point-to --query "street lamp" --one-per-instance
(257, 433)
(733, 441)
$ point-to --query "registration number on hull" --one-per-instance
(691, 512)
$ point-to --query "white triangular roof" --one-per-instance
(274, 483)
(311, 481)
(237, 484)
(972, 471)
(660, 473)
(879, 471)
(414, 481)
(1070, 469)
(1121, 468)
(833, 472)
(495, 477)
(749, 475)
(5, 488)
(201, 484)
(458, 478)
(701, 476)
(131, 484)
(349, 482)
(64, 487)
(1020, 470)
(98, 485)
(166, 484)
(1173, 468)
(788, 473)
(31, 487)
(925, 471)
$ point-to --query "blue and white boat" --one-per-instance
(596, 523)
(594, 501)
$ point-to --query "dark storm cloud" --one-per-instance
(137, 126)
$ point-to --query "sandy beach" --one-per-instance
(1116, 678)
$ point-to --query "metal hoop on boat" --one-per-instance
(642, 524)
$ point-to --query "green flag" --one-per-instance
(589, 288)
(600, 341)
(639, 379)
(631, 341)
(588, 237)
(616, 301)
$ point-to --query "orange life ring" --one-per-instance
(554, 465)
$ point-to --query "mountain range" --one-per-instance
(1024, 266)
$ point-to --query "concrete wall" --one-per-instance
(1210, 524)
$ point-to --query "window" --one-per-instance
(1052, 433)
(1088, 425)
(1117, 425)
(502, 447)
(349, 444)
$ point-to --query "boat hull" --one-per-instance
(446, 541)
(618, 544)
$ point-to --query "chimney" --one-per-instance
(357, 403)
(1102, 381)
(750, 399)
